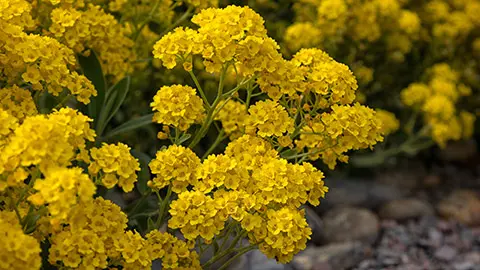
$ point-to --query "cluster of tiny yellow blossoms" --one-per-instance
(175, 254)
(286, 233)
(268, 118)
(96, 236)
(40, 61)
(17, 101)
(45, 141)
(223, 35)
(114, 165)
(62, 189)
(94, 29)
(17, 250)
(233, 117)
(436, 99)
(345, 128)
(178, 106)
(8, 124)
(302, 35)
(249, 182)
(361, 21)
(390, 123)
(174, 163)
(332, 81)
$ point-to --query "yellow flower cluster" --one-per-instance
(332, 81)
(114, 165)
(252, 185)
(224, 35)
(268, 118)
(197, 214)
(61, 190)
(178, 106)
(17, 101)
(302, 35)
(337, 22)
(233, 116)
(174, 166)
(286, 233)
(8, 124)
(175, 254)
(94, 29)
(95, 237)
(437, 99)
(39, 61)
(344, 128)
(45, 141)
(390, 123)
(17, 250)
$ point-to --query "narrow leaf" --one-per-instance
(130, 125)
(92, 69)
(115, 99)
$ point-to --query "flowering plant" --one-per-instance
(67, 68)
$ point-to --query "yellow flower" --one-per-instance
(178, 106)
(62, 189)
(175, 165)
(17, 250)
(390, 123)
(268, 118)
(115, 165)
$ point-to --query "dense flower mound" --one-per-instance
(88, 86)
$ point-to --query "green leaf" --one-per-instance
(116, 96)
(288, 153)
(130, 125)
(150, 224)
(183, 138)
(144, 174)
(92, 69)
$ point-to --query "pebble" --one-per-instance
(462, 206)
(350, 224)
(405, 209)
(334, 256)
(446, 253)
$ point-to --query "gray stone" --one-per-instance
(405, 208)
(446, 253)
(350, 224)
(335, 256)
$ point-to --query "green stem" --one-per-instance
(200, 89)
(221, 136)
(63, 102)
(209, 118)
(163, 207)
(240, 252)
(220, 255)
(179, 21)
(147, 20)
(139, 202)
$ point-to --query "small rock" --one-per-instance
(473, 257)
(461, 205)
(405, 209)
(463, 266)
(350, 224)
(336, 256)
(256, 260)
(446, 253)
